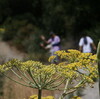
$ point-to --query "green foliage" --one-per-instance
(22, 33)
(63, 17)
(95, 33)
(5, 10)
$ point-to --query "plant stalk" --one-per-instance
(39, 94)
(98, 58)
(99, 75)
(65, 89)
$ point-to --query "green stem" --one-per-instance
(50, 81)
(65, 89)
(98, 57)
(39, 93)
(28, 82)
(23, 74)
(31, 75)
(65, 94)
(17, 81)
(78, 85)
(39, 79)
(99, 74)
(66, 86)
(70, 91)
(57, 84)
(53, 80)
(16, 74)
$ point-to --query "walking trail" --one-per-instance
(9, 52)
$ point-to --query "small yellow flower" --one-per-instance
(36, 97)
(2, 29)
(51, 58)
(49, 97)
(76, 97)
(33, 97)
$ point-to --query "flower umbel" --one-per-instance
(76, 70)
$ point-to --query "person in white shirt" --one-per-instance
(86, 44)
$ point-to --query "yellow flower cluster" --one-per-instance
(70, 55)
(76, 97)
(36, 97)
(8, 65)
(75, 66)
(51, 58)
(78, 65)
(33, 65)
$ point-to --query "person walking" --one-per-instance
(86, 44)
(53, 43)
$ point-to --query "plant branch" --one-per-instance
(31, 75)
(17, 81)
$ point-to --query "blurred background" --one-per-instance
(23, 21)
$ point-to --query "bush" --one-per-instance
(23, 35)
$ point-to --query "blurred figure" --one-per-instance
(86, 44)
(53, 42)
(49, 46)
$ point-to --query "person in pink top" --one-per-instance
(54, 41)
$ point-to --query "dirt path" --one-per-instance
(91, 93)
(9, 52)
